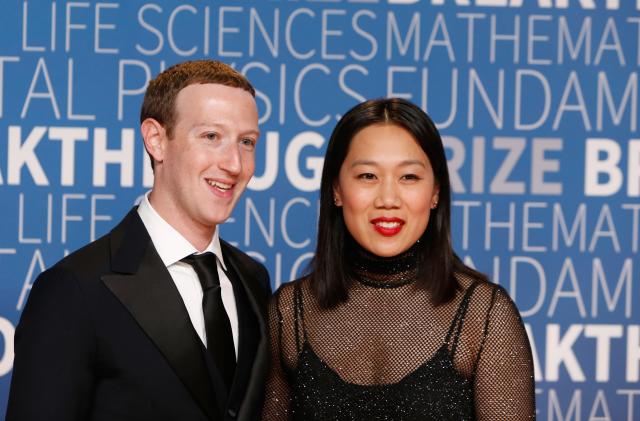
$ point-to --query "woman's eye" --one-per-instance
(211, 136)
(367, 176)
(410, 177)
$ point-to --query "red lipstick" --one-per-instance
(387, 226)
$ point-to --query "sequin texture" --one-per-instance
(389, 354)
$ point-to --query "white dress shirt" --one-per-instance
(172, 247)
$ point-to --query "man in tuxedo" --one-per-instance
(160, 319)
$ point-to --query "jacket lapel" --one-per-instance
(255, 311)
(144, 286)
(249, 336)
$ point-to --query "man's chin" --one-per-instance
(217, 218)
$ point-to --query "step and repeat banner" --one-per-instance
(537, 101)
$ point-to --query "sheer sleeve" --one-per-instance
(504, 384)
(277, 397)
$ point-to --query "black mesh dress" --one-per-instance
(389, 354)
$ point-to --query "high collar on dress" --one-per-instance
(384, 272)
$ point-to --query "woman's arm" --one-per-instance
(276, 404)
(504, 383)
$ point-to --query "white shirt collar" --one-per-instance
(169, 243)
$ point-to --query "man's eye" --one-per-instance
(248, 143)
(211, 136)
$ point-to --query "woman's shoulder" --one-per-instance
(286, 292)
(289, 286)
(478, 285)
(488, 313)
(287, 304)
(484, 293)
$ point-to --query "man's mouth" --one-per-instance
(220, 185)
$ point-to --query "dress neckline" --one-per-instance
(384, 272)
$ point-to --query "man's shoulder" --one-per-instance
(92, 257)
(231, 251)
(95, 257)
(246, 264)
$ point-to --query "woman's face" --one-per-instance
(386, 188)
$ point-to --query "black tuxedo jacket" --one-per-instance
(105, 336)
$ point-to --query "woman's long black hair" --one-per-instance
(438, 263)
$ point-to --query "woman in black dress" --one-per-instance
(390, 324)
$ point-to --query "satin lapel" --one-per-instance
(250, 284)
(151, 297)
(248, 339)
(255, 385)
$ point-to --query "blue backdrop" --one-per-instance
(537, 101)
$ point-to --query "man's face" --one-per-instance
(207, 164)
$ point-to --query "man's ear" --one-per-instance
(154, 137)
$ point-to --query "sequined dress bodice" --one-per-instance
(434, 390)
(389, 353)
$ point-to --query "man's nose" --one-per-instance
(230, 159)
